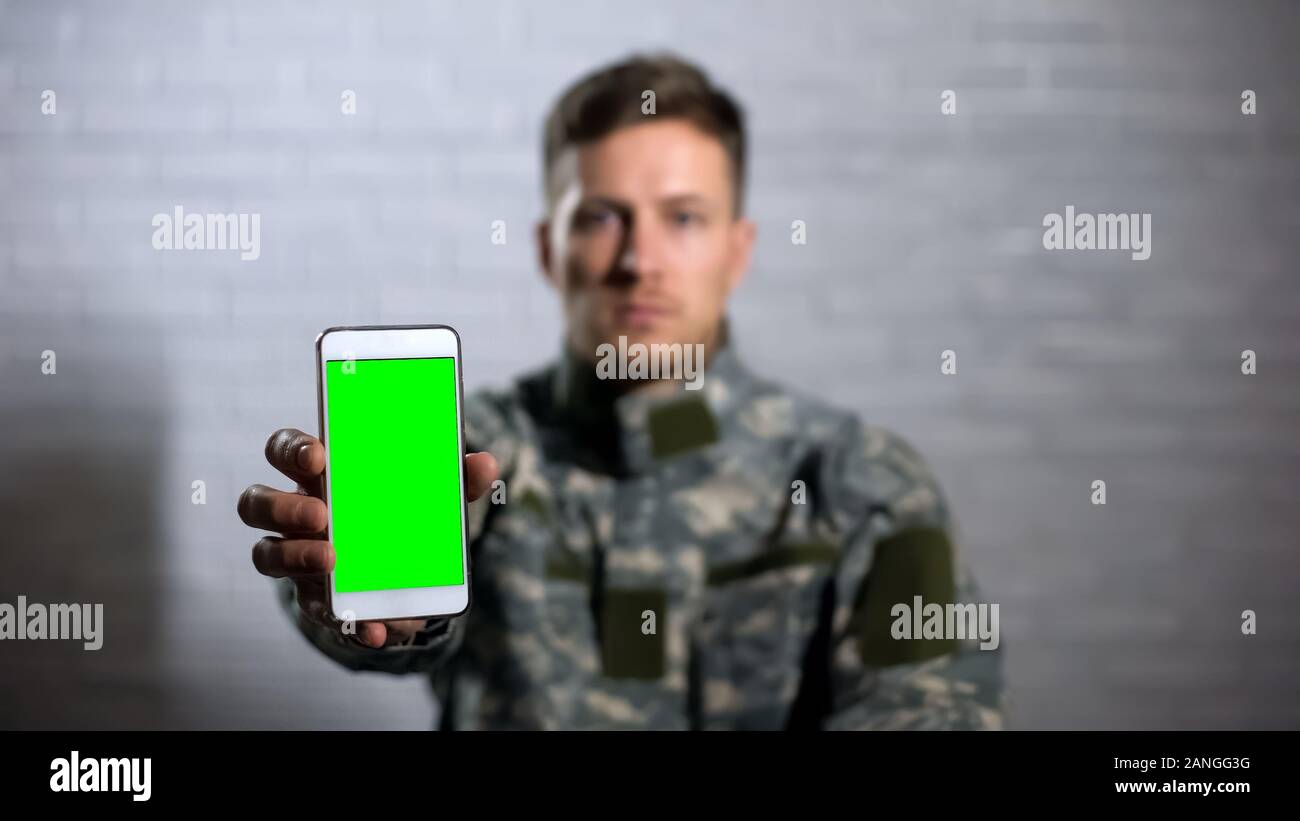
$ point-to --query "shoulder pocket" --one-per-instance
(911, 569)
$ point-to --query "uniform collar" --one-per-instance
(648, 427)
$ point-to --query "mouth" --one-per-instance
(640, 315)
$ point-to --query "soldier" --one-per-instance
(728, 557)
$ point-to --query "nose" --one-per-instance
(640, 254)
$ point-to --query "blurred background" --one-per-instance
(923, 234)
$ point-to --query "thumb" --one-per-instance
(480, 472)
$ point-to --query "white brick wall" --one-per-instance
(923, 235)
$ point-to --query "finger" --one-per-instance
(311, 598)
(298, 455)
(480, 472)
(270, 509)
(372, 633)
(278, 558)
(402, 629)
(312, 604)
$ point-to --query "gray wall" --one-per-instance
(924, 234)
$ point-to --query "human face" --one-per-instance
(642, 240)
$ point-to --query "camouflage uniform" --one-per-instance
(720, 558)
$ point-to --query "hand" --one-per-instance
(300, 552)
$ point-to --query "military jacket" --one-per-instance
(723, 558)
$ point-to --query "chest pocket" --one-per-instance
(623, 626)
(611, 630)
(759, 614)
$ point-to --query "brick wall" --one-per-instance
(923, 235)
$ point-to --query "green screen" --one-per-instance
(394, 473)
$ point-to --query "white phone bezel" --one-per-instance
(394, 342)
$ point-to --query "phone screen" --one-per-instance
(394, 473)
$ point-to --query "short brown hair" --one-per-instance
(610, 97)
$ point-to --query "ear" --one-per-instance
(544, 251)
(743, 231)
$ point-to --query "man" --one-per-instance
(727, 557)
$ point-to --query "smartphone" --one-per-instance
(390, 418)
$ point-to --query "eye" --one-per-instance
(592, 219)
(682, 219)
